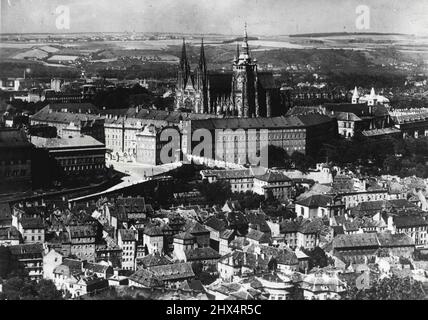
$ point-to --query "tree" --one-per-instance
(20, 288)
(317, 258)
(216, 192)
(393, 288)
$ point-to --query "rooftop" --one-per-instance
(82, 141)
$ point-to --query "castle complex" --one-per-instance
(245, 92)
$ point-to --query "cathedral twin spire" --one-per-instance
(185, 65)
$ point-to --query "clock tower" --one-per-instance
(244, 82)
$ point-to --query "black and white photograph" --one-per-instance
(225, 157)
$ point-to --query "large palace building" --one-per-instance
(245, 92)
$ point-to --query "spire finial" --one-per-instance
(245, 45)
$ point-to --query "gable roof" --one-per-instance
(258, 236)
(146, 278)
(127, 235)
(272, 176)
(387, 239)
(315, 201)
(409, 221)
(171, 272)
(36, 248)
(342, 241)
(206, 253)
(154, 259)
(216, 224)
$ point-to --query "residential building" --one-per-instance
(29, 258)
(82, 239)
(126, 240)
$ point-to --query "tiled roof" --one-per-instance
(46, 115)
(81, 231)
(355, 240)
(36, 248)
(229, 174)
(152, 260)
(195, 227)
(146, 278)
(322, 282)
(127, 235)
(184, 236)
(174, 271)
(346, 116)
(32, 223)
(259, 236)
(206, 253)
(271, 176)
(65, 143)
(387, 239)
(153, 231)
(290, 122)
(361, 109)
(96, 267)
(409, 221)
(315, 201)
(81, 107)
(216, 224)
(380, 132)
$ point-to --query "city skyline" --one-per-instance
(220, 17)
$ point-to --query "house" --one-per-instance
(206, 256)
(240, 180)
(102, 271)
(172, 274)
(398, 244)
(9, 236)
(108, 251)
(82, 239)
(201, 234)
(83, 285)
(274, 184)
(357, 248)
(153, 239)
(215, 226)
(278, 286)
(29, 258)
(412, 225)
(238, 263)
(183, 242)
(32, 230)
(319, 206)
(257, 237)
(127, 242)
(283, 260)
(144, 278)
(50, 261)
(322, 285)
(303, 234)
(151, 260)
(226, 238)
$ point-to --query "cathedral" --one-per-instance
(245, 92)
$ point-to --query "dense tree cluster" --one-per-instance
(402, 157)
(393, 288)
(21, 288)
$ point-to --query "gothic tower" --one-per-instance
(244, 82)
(203, 79)
(191, 92)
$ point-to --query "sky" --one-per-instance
(264, 17)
